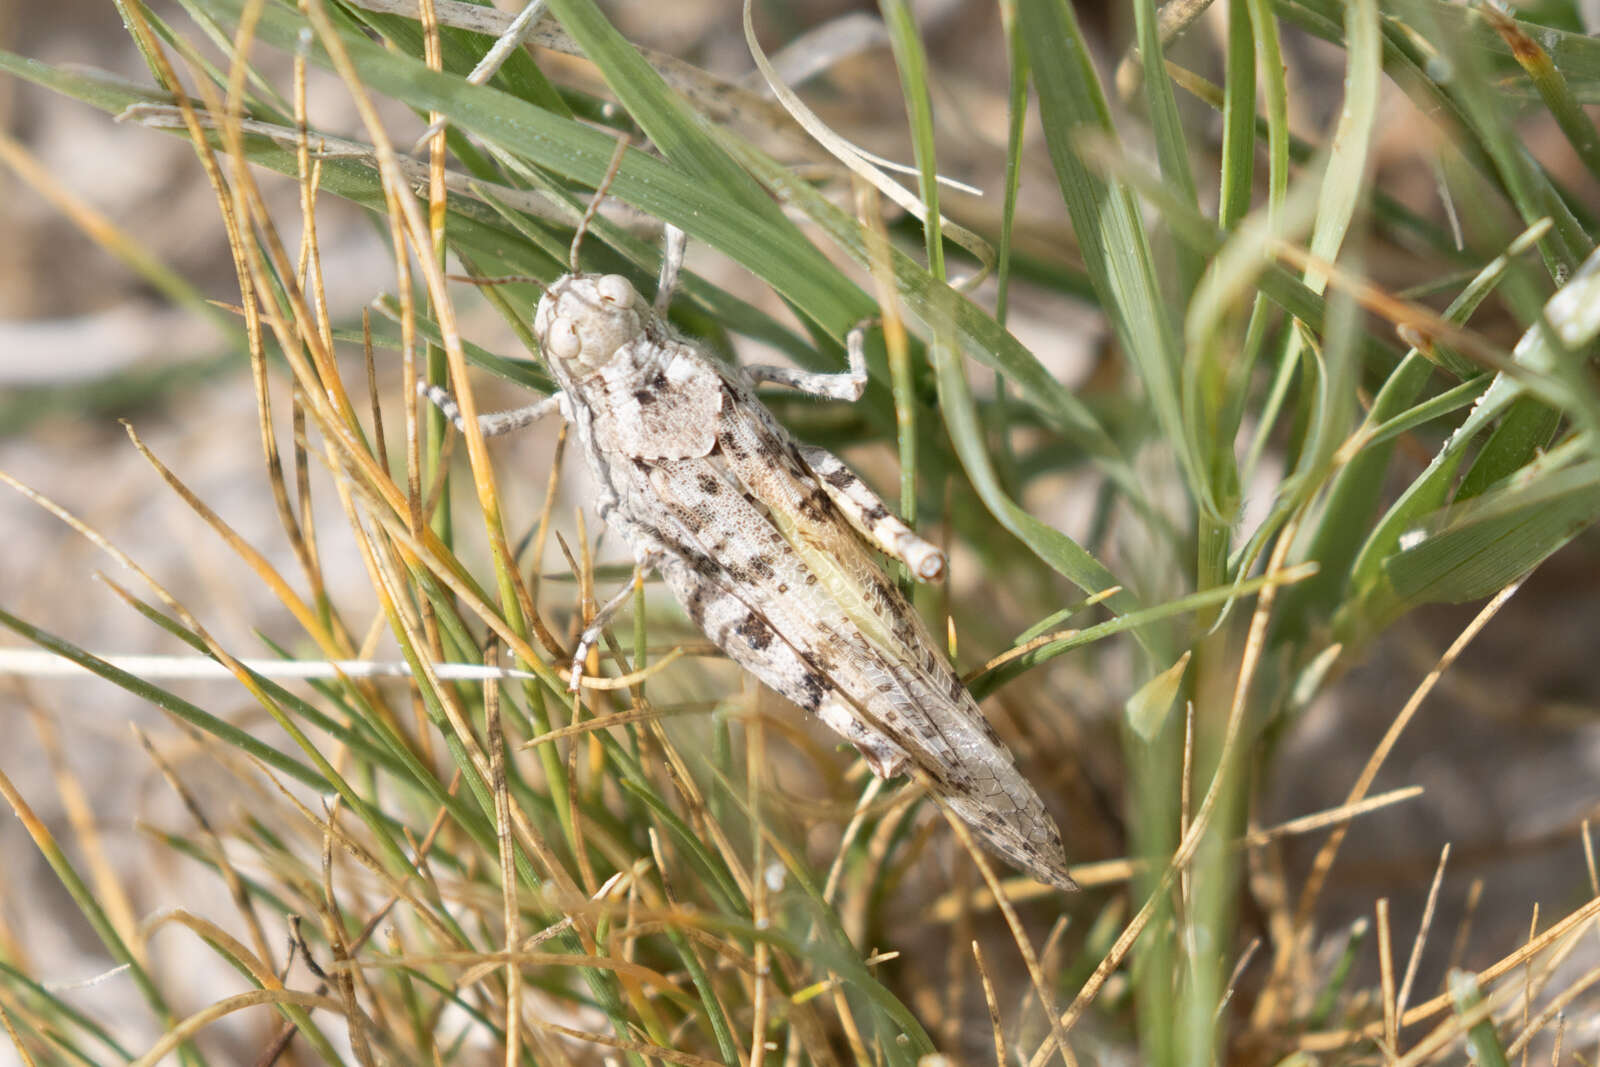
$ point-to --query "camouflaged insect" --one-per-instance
(764, 542)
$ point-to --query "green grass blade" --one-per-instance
(1482, 1040)
(460, 51)
(680, 135)
(1525, 430)
(84, 899)
(1571, 321)
(989, 681)
(18, 980)
(1466, 105)
(1106, 220)
(1476, 549)
(1552, 87)
(1238, 119)
(700, 191)
(966, 435)
(912, 63)
(1339, 191)
(1172, 148)
(1353, 499)
(980, 336)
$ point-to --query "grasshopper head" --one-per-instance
(583, 319)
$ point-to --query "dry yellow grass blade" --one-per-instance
(1113, 872)
(1573, 924)
(1269, 1008)
(191, 1026)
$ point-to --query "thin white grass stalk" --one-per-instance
(994, 1007)
(1528, 991)
(857, 162)
(755, 761)
(36, 663)
(1422, 933)
(1239, 968)
(375, 491)
(85, 983)
(1391, 1026)
(507, 43)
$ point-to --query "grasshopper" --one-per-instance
(765, 543)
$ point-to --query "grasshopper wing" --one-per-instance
(807, 609)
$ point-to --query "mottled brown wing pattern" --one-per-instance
(765, 543)
(800, 602)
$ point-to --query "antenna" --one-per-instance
(501, 279)
(594, 204)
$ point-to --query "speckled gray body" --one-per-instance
(765, 544)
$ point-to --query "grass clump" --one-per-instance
(665, 868)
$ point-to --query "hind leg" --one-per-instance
(867, 513)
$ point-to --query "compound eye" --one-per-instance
(562, 340)
(615, 289)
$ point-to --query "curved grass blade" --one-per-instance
(1106, 220)
(1474, 550)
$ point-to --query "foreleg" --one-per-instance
(494, 423)
(602, 617)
